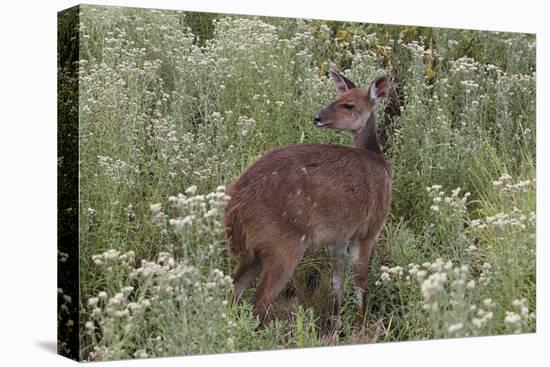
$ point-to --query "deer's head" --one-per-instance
(353, 106)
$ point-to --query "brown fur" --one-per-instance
(304, 195)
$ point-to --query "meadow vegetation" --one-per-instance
(174, 106)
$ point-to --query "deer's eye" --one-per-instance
(347, 106)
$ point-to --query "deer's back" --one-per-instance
(327, 193)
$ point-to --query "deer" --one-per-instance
(310, 195)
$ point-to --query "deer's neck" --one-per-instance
(365, 138)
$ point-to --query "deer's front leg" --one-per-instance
(338, 253)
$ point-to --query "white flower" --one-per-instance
(437, 265)
(155, 208)
(421, 274)
(519, 302)
(210, 285)
(455, 327)
(396, 270)
(210, 213)
(133, 306)
(413, 269)
(93, 301)
(245, 125)
(116, 299)
(385, 277)
(191, 190)
(478, 323)
(487, 302)
(141, 353)
(122, 313)
(521, 306)
(512, 318)
(433, 285)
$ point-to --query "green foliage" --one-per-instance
(174, 106)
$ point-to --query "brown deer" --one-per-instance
(312, 194)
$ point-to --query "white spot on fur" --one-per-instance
(303, 238)
(298, 192)
(273, 173)
(358, 294)
(339, 250)
(304, 170)
(336, 282)
(354, 254)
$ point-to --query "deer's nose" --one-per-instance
(317, 119)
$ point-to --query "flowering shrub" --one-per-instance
(188, 308)
(450, 299)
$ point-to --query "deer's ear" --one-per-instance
(341, 83)
(379, 88)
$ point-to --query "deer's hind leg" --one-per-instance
(246, 272)
(278, 266)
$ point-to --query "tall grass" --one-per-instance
(174, 106)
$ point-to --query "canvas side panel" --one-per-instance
(67, 183)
